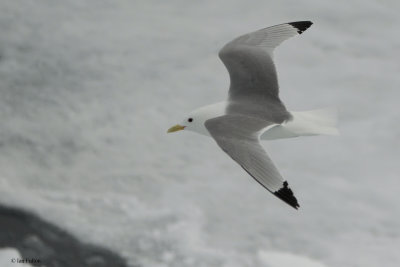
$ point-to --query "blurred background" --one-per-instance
(89, 88)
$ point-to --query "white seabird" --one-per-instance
(254, 111)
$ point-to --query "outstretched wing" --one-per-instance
(252, 72)
(238, 136)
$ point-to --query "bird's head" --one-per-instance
(195, 120)
(192, 122)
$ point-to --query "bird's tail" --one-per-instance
(314, 122)
(304, 123)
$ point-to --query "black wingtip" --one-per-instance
(301, 26)
(286, 194)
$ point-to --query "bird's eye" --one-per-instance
(190, 120)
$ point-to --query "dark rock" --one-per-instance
(35, 238)
(35, 247)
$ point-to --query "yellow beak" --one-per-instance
(175, 128)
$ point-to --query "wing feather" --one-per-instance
(238, 136)
(253, 78)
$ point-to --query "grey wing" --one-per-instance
(252, 72)
(238, 136)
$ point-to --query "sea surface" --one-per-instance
(89, 88)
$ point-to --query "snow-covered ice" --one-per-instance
(88, 89)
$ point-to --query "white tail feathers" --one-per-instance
(318, 121)
(304, 123)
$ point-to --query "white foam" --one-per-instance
(10, 257)
(286, 259)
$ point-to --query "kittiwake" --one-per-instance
(254, 110)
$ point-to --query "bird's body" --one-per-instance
(302, 123)
(254, 111)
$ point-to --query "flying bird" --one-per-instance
(254, 111)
